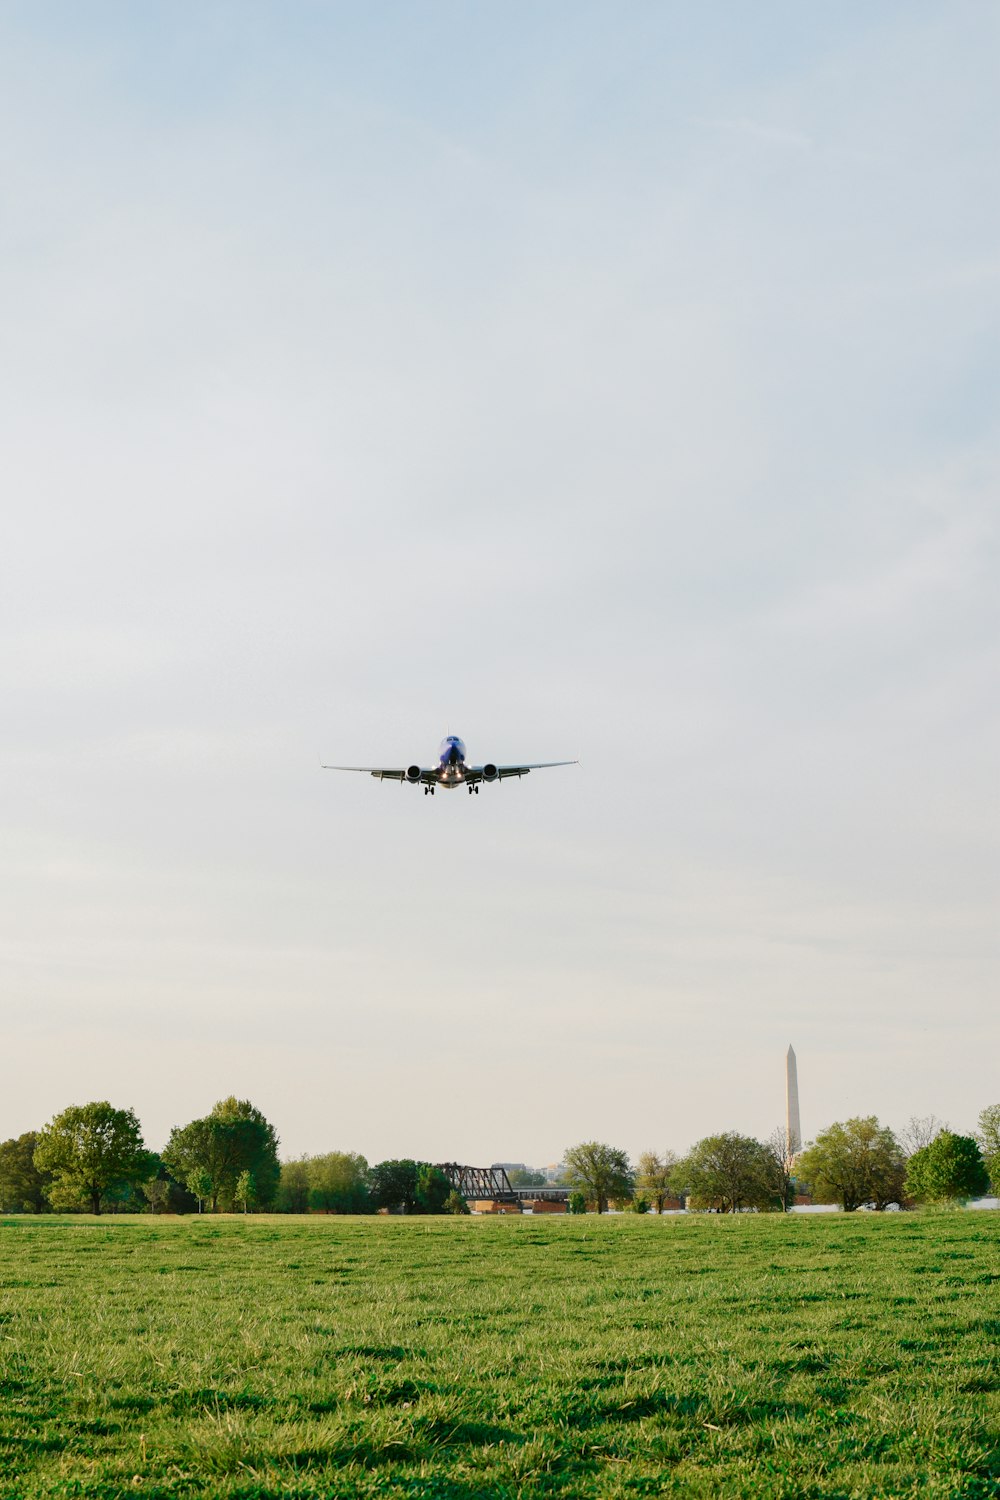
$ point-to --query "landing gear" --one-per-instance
(473, 789)
(428, 789)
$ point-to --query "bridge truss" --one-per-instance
(479, 1182)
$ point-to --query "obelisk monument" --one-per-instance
(793, 1126)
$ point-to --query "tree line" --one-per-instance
(92, 1158)
(853, 1163)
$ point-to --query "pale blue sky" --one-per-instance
(620, 383)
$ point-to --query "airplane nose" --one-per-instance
(452, 752)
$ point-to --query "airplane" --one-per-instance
(451, 770)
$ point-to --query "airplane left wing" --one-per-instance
(541, 765)
(500, 773)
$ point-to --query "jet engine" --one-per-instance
(413, 773)
(490, 773)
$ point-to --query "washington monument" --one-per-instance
(793, 1127)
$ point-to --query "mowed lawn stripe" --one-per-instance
(746, 1356)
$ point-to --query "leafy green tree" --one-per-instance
(91, 1149)
(206, 1147)
(949, 1170)
(432, 1189)
(156, 1187)
(988, 1137)
(255, 1144)
(23, 1186)
(653, 1176)
(410, 1186)
(600, 1172)
(338, 1183)
(576, 1203)
(393, 1184)
(293, 1187)
(728, 1172)
(455, 1203)
(640, 1204)
(234, 1138)
(199, 1185)
(854, 1162)
(178, 1198)
(246, 1189)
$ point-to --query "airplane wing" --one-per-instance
(382, 775)
(476, 773)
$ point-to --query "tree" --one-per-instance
(728, 1172)
(90, 1149)
(432, 1189)
(455, 1203)
(653, 1176)
(164, 1194)
(125, 1197)
(199, 1184)
(949, 1170)
(576, 1203)
(157, 1191)
(853, 1162)
(393, 1184)
(413, 1187)
(600, 1172)
(207, 1148)
(255, 1144)
(989, 1142)
(234, 1138)
(23, 1185)
(293, 1187)
(156, 1188)
(338, 1183)
(525, 1177)
(246, 1189)
(784, 1165)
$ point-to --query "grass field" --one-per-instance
(756, 1356)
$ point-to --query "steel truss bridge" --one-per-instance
(481, 1183)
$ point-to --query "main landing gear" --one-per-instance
(473, 789)
(428, 789)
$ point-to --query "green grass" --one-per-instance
(755, 1356)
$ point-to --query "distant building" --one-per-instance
(553, 1173)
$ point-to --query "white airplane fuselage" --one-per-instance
(451, 767)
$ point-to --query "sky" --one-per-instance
(598, 382)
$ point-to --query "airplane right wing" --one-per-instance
(382, 775)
